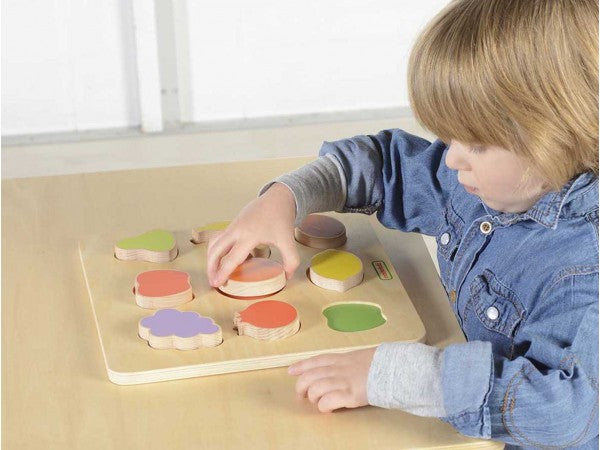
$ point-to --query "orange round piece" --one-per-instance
(269, 314)
(255, 277)
(256, 269)
(267, 320)
(160, 283)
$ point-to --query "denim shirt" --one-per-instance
(523, 287)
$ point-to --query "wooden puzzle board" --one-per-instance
(130, 360)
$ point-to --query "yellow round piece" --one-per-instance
(336, 264)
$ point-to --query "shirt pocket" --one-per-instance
(448, 239)
(493, 313)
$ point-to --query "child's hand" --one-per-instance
(335, 380)
(269, 219)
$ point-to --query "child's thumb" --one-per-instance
(291, 260)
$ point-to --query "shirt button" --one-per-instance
(485, 227)
(492, 313)
(445, 238)
(452, 295)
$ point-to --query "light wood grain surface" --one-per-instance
(110, 283)
(55, 393)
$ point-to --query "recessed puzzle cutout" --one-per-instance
(336, 270)
(354, 316)
(255, 277)
(182, 330)
(267, 320)
(162, 289)
(157, 246)
(320, 231)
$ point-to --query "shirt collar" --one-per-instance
(547, 209)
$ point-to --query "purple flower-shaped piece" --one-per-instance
(170, 322)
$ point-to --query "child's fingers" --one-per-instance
(229, 262)
(322, 386)
(308, 378)
(214, 238)
(310, 363)
(291, 260)
(333, 400)
(220, 247)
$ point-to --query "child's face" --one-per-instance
(496, 176)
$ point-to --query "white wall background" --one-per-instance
(269, 57)
(70, 65)
(67, 65)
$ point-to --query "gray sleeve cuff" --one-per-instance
(407, 376)
(318, 186)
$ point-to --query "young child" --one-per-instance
(511, 194)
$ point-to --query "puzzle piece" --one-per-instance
(336, 270)
(183, 330)
(162, 289)
(157, 246)
(261, 251)
(354, 316)
(320, 231)
(255, 277)
(202, 235)
(267, 320)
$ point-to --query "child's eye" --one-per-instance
(477, 148)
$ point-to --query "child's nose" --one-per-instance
(455, 157)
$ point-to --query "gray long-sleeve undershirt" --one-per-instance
(405, 376)
(317, 187)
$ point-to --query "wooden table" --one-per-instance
(55, 391)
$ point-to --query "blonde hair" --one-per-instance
(518, 74)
